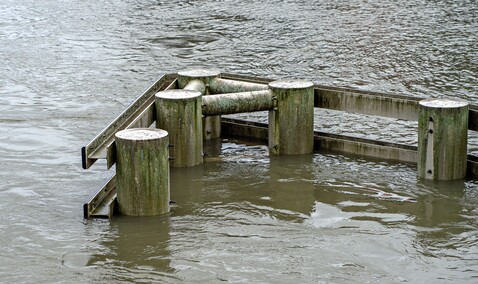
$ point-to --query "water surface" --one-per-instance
(70, 67)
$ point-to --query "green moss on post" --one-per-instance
(442, 139)
(211, 124)
(179, 113)
(225, 86)
(142, 171)
(291, 123)
(237, 102)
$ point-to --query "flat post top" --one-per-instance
(443, 103)
(178, 94)
(141, 134)
(199, 73)
(290, 84)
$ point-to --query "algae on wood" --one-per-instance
(211, 124)
(442, 139)
(237, 102)
(142, 171)
(291, 123)
(179, 113)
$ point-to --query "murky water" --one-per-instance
(69, 67)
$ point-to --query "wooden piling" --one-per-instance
(142, 171)
(211, 124)
(291, 122)
(442, 139)
(179, 113)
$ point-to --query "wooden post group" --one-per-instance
(143, 154)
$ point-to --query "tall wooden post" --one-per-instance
(179, 113)
(212, 124)
(142, 171)
(291, 122)
(442, 139)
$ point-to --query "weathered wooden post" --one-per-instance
(291, 122)
(212, 124)
(179, 113)
(142, 171)
(442, 139)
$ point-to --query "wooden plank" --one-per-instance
(363, 102)
(241, 128)
(370, 103)
(365, 148)
(330, 142)
(96, 148)
(341, 144)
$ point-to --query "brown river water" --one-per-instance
(70, 67)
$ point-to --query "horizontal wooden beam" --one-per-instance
(370, 103)
(237, 102)
(329, 142)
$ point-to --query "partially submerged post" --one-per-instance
(212, 124)
(142, 171)
(291, 122)
(179, 113)
(442, 139)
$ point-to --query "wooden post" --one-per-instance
(442, 139)
(179, 113)
(291, 123)
(212, 124)
(142, 171)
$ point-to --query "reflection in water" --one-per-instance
(291, 183)
(242, 216)
(136, 250)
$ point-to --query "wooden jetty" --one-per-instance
(222, 93)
